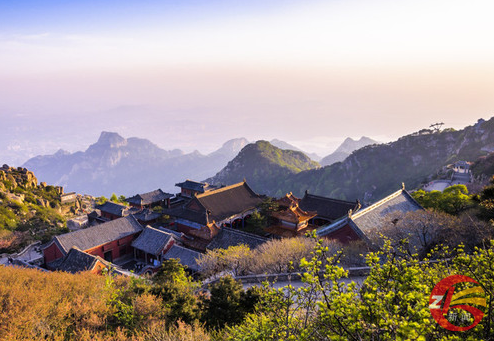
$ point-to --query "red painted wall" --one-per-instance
(114, 247)
(344, 235)
(183, 228)
(109, 215)
(52, 253)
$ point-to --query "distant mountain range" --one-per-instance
(134, 165)
(128, 166)
(264, 166)
(369, 173)
(345, 149)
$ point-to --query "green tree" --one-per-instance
(392, 303)
(228, 303)
(178, 292)
(257, 221)
(452, 200)
(101, 200)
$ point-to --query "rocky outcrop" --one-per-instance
(18, 177)
(43, 202)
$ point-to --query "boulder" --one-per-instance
(43, 202)
(31, 181)
(12, 180)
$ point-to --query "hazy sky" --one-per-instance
(193, 74)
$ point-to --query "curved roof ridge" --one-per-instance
(378, 203)
(222, 189)
(245, 233)
(330, 199)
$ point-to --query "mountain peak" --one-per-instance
(230, 148)
(345, 149)
(235, 144)
(258, 160)
(111, 139)
(61, 152)
(349, 145)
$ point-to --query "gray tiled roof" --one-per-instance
(196, 186)
(327, 208)
(373, 216)
(229, 237)
(98, 235)
(152, 240)
(146, 215)
(187, 214)
(149, 197)
(113, 208)
(77, 260)
(186, 256)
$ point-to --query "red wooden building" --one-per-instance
(110, 240)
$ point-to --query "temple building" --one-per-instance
(206, 213)
(152, 244)
(354, 226)
(110, 241)
(328, 209)
(150, 199)
(190, 188)
(111, 211)
(290, 220)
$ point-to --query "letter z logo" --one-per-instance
(437, 300)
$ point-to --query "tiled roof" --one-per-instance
(152, 240)
(196, 186)
(229, 237)
(113, 208)
(228, 201)
(288, 200)
(294, 214)
(219, 204)
(94, 214)
(186, 256)
(77, 260)
(206, 232)
(149, 198)
(187, 214)
(284, 232)
(327, 208)
(146, 215)
(178, 235)
(373, 217)
(90, 237)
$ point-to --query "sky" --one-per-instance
(193, 74)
